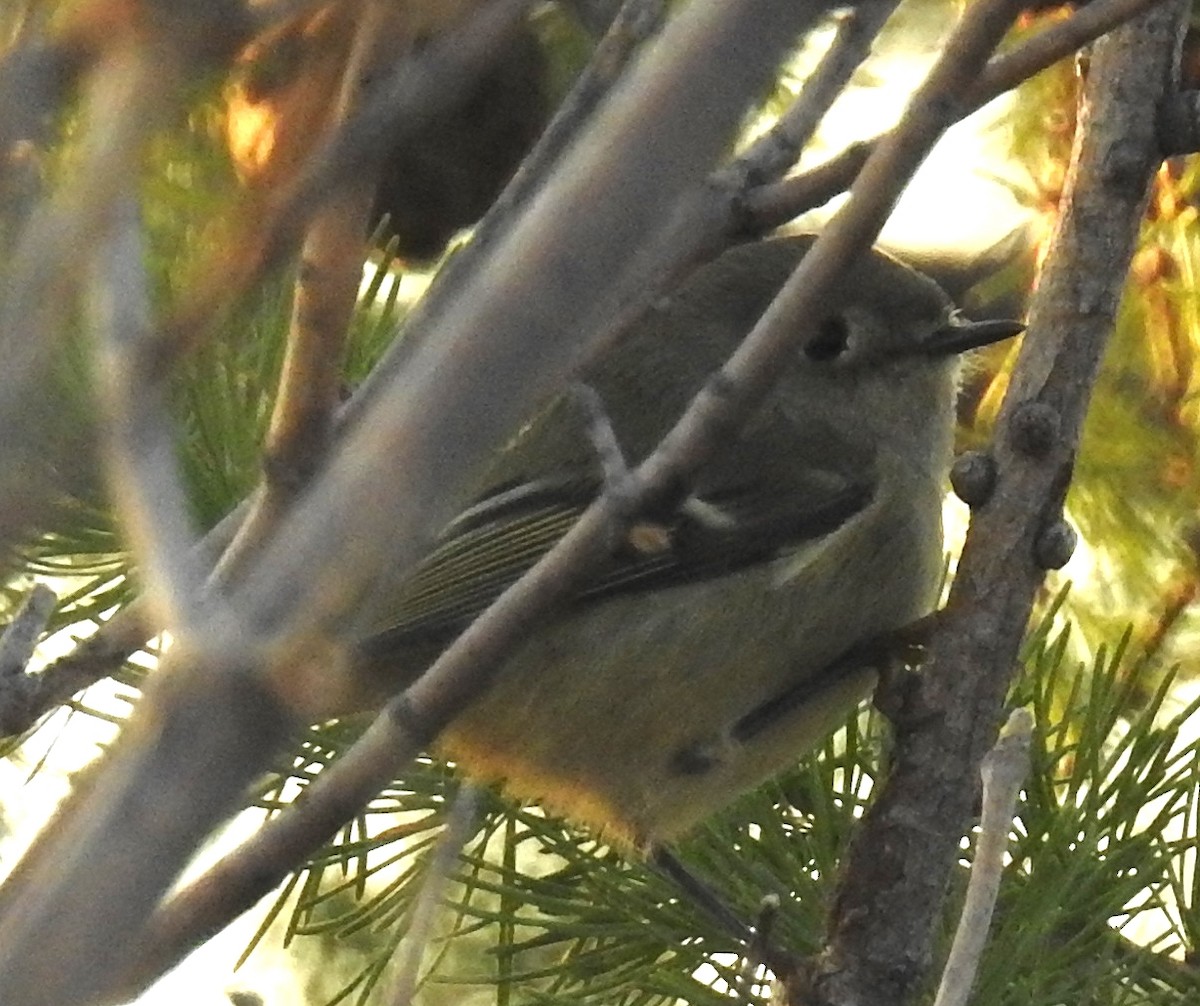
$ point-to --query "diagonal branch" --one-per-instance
(143, 471)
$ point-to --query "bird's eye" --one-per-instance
(831, 340)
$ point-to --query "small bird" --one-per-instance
(707, 653)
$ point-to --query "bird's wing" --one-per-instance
(735, 522)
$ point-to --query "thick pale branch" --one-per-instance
(127, 95)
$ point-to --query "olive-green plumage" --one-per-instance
(695, 664)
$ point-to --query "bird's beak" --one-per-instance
(959, 335)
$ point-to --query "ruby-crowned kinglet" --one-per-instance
(703, 658)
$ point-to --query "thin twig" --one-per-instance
(1056, 42)
(1003, 771)
(326, 290)
(21, 635)
(762, 938)
(602, 436)
(773, 205)
(900, 858)
(776, 151)
(459, 827)
(100, 654)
